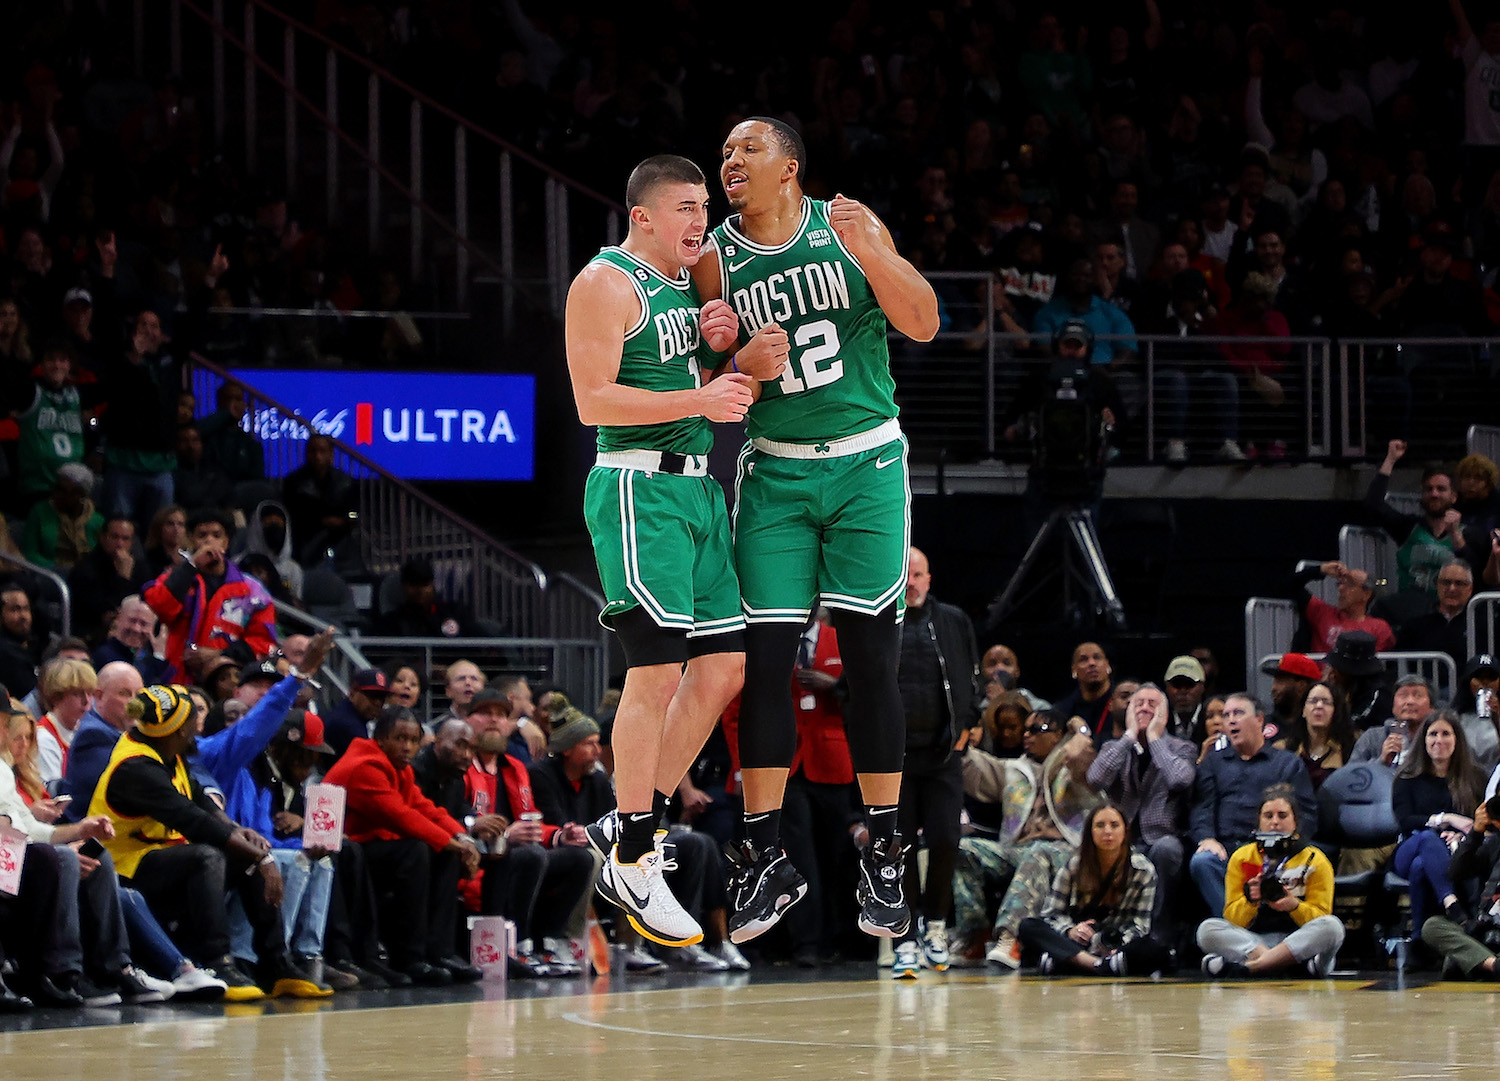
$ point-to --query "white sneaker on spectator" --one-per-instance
(137, 988)
(695, 956)
(730, 954)
(648, 902)
(1229, 451)
(1006, 952)
(639, 960)
(908, 961)
(1177, 452)
(935, 946)
(557, 955)
(95, 996)
(196, 984)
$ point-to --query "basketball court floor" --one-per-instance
(773, 1024)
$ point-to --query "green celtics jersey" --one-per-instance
(660, 354)
(51, 437)
(837, 380)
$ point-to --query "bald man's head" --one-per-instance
(118, 684)
(918, 578)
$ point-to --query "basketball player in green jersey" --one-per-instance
(823, 506)
(658, 521)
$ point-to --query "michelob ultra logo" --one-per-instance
(417, 425)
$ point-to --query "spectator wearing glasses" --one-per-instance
(1444, 629)
(1043, 798)
(1185, 695)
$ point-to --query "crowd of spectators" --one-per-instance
(1167, 169)
(1159, 167)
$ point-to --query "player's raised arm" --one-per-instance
(905, 296)
(601, 306)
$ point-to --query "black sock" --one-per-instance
(881, 822)
(659, 804)
(763, 830)
(637, 835)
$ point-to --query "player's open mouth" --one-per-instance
(692, 243)
(733, 182)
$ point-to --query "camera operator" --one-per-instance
(1467, 947)
(1068, 409)
(1278, 911)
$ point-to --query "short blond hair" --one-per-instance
(68, 674)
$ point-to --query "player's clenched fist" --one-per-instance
(726, 399)
(719, 325)
(764, 355)
(855, 225)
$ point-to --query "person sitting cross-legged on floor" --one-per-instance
(1098, 916)
(1278, 908)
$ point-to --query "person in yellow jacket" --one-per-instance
(1278, 907)
(175, 845)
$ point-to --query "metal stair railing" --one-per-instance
(210, 42)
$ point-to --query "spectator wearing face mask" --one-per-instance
(267, 535)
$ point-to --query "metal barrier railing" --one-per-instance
(396, 522)
(1482, 623)
(575, 665)
(1270, 623)
(1393, 386)
(957, 392)
(64, 625)
(432, 187)
(1484, 439)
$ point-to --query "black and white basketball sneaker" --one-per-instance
(761, 887)
(882, 901)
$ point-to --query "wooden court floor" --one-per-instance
(955, 1025)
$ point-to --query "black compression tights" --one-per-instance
(871, 650)
(768, 727)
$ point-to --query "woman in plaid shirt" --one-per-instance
(1098, 916)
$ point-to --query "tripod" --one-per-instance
(1083, 567)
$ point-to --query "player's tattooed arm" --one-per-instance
(906, 297)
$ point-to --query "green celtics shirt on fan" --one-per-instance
(837, 380)
(660, 354)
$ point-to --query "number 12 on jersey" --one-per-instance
(818, 360)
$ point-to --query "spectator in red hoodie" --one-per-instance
(207, 602)
(414, 849)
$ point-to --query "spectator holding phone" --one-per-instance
(1278, 908)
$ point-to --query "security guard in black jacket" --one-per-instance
(940, 694)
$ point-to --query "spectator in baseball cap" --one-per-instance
(352, 717)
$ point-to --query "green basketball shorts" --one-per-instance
(831, 527)
(662, 544)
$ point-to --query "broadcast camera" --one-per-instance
(1072, 436)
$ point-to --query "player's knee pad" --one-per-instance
(871, 650)
(646, 643)
(768, 727)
